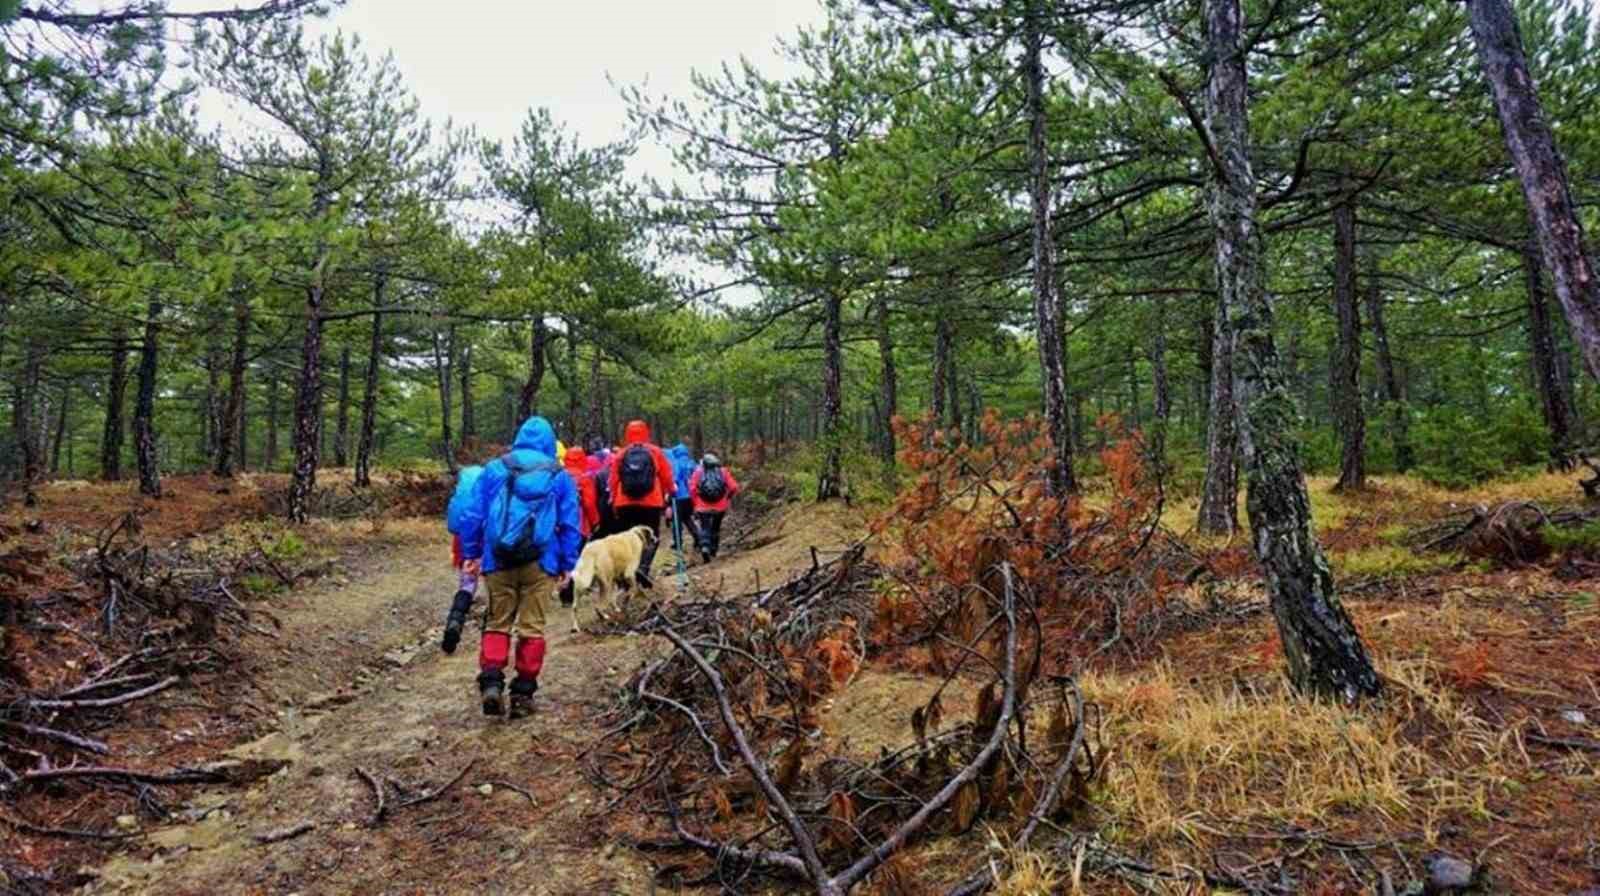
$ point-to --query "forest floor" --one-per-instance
(1485, 747)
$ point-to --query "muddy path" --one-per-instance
(356, 682)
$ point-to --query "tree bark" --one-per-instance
(888, 386)
(1541, 170)
(1219, 496)
(1046, 304)
(941, 369)
(953, 384)
(443, 351)
(308, 404)
(269, 454)
(1399, 416)
(63, 409)
(24, 418)
(116, 386)
(469, 411)
(1162, 398)
(341, 431)
(369, 397)
(528, 402)
(828, 478)
(1347, 413)
(144, 406)
(597, 423)
(1546, 367)
(230, 434)
(1324, 652)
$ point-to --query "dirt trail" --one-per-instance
(358, 681)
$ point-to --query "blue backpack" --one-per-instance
(522, 519)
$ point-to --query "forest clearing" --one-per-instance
(858, 446)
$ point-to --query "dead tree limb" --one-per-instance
(429, 796)
(380, 808)
(66, 737)
(288, 833)
(101, 702)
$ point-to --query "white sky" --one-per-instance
(486, 62)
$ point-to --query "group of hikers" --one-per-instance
(521, 520)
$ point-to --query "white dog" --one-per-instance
(612, 563)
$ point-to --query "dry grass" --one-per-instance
(1195, 759)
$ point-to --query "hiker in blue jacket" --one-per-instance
(683, 467)
(466, 583)
(522, 530)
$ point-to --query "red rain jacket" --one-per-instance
(703, 506)
(638, 433)
(577, 466)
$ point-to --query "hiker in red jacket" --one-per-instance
(576, 463)
(712, 488)
(641, 485)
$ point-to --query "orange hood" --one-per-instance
(637, 432)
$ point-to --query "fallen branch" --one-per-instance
(288, 833)
(71, 833)
(66, 737)
(431, 795)
(101, 702)
(514, 789)
(181, 776)
(1571, 743)
(377, 794)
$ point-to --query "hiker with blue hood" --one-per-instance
(522, 531)
(683, 467)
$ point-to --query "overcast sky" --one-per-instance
(486, 62)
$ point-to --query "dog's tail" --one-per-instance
(583, 576)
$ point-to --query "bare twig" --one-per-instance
(434, 794)
(101, 702)
(288, 833)
(380, 809)
(66, 737)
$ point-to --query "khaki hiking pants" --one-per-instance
(516, 601)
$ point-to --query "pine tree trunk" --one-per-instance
(366, 439)
(888, 386)
(144, 405)
(1546, 368)
(1399, 416)
(828, 478)
(1348, 416)
(469, 411)
(116, 387)
(597, 400)
(574, 375)
(443, 351)
(1219, 496)
(341, 430)
(528, 402)
(24, 418)
(1162, 407)
(270, 452)
(243, 428)
(308, 406)
(230, 429)
(953, 385)
(64, 408)
(1543, 174)
(1046, 305)
(1323, 649)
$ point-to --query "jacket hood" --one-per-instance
(576, 461)
(638, 431)
(467, 477)
(536, 434)
(681, 451)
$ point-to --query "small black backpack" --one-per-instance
(637, 472)
(713, 485)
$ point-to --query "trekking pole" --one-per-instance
(677, 546)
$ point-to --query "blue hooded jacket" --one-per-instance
(682, 468)
(545, 486)
(461, 501)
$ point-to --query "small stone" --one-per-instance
(1574, 716)
(1446, 872)
(316, 771)
(349, 825)
(609, 851)
(486, 789)
(128, 822)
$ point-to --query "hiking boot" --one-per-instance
(489, 686)
(705, 556)
(522, 691)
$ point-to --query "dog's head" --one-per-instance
(645, 534)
